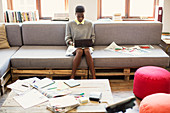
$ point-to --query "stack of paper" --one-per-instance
(62, 102)
(31, 98)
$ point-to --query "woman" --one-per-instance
(80, 29)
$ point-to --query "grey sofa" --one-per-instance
(14, 39)
(42, 49)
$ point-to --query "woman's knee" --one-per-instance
(79, 51)
(86, 51)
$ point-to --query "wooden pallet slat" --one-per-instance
(16, 73)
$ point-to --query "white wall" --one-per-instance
(166, 16)
(90, 8)
(3, 8)
(1, 12)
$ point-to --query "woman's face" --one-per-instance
(80, 16)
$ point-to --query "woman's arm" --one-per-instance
(68, 37)
(92, 34)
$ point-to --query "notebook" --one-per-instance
(83, 43)
(72, 83)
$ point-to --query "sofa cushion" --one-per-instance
(44, 34)
(14, 34)
(43, 57)
(5, 55)
(103, 58)
(3, 38)
(128, 33)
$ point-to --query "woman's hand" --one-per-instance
(71, 43)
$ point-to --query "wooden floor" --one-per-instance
(120, 89)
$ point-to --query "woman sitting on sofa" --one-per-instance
(80, 29)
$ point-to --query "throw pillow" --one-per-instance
(3, 38)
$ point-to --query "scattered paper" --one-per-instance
(71, 50)
(42, 83)
(62, 102)
(113, 46)
(31, 98)
(52, 93)
(19, 85)
(134, 51)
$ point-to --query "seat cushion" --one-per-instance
(155, 103)
(103, 58)
(43, 57)
(128, 32)
(44, 34)
(5, 55)
(13, 31)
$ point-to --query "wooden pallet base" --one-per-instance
(16, 73)
(126, 72)
(3, 81)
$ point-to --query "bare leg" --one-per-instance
(89, 61)
(76, 61)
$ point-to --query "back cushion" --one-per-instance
(13, 34)
(128, 33)
(44, 34)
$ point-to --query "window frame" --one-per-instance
(127, 11)
(10, 4)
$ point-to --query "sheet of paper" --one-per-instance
(43, 83)
(19, 85)
(31, 98)
(70, 50)
(64, 101)
(61, 85)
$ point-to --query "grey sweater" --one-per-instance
(80, 31)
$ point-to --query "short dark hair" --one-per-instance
(80, 9)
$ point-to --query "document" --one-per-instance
(71, 49)
(19, 85)
(31, 98)
(62, 102)
(42, 83)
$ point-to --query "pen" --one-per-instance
(79, 94)
(24, 85)
(52, 88)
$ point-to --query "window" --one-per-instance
(24, 5)
(127, 8)
(54, 6)
(109, 7)
(141, 8)
(46, 8)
